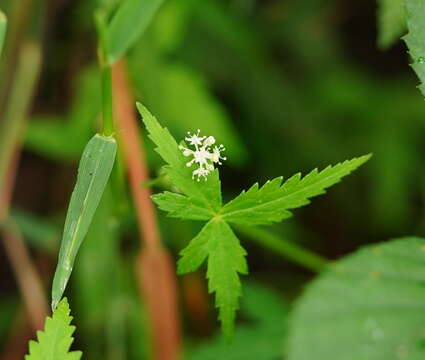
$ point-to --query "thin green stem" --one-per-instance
(107, 101)
(107, 106)
(285, 248)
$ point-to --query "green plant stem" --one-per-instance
(105, 67)
(107, 107)
(283, 247)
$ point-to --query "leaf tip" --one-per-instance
(365, 158)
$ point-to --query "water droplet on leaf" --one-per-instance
(421, 60)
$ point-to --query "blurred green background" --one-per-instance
(286, 85)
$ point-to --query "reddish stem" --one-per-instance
(155, 268)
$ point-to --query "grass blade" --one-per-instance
(93, 174)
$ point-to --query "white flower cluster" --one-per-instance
(204, 155)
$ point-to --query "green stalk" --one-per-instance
(108, 122)
(105, 66)
(283, 247)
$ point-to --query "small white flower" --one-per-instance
(203, 156)
(200, 173)
(216, 155)
(195, 139)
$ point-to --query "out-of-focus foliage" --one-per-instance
(259, 338)
(8, 307)
(107, 304)
(40, 233)
(63, 137)
(392, 21)
(368, 305)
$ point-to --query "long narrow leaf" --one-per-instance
(93, 174)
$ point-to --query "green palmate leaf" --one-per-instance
(415, 37)
(216, 243)
(3, 25)
(129, 22)
(369, 305)
(391, 21)
(272, 202)
(203, 194)
(93, 174)
(226, 260)
(56, 339)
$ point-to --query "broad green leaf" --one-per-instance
(260, 338)
(415, 37)
(226, 260)
(93, 174)
(272, 202)
(391, 21)
(56, 339)
(205, 193)
(3, 26)
(128, 23)
(369, 305)
(180, 206)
